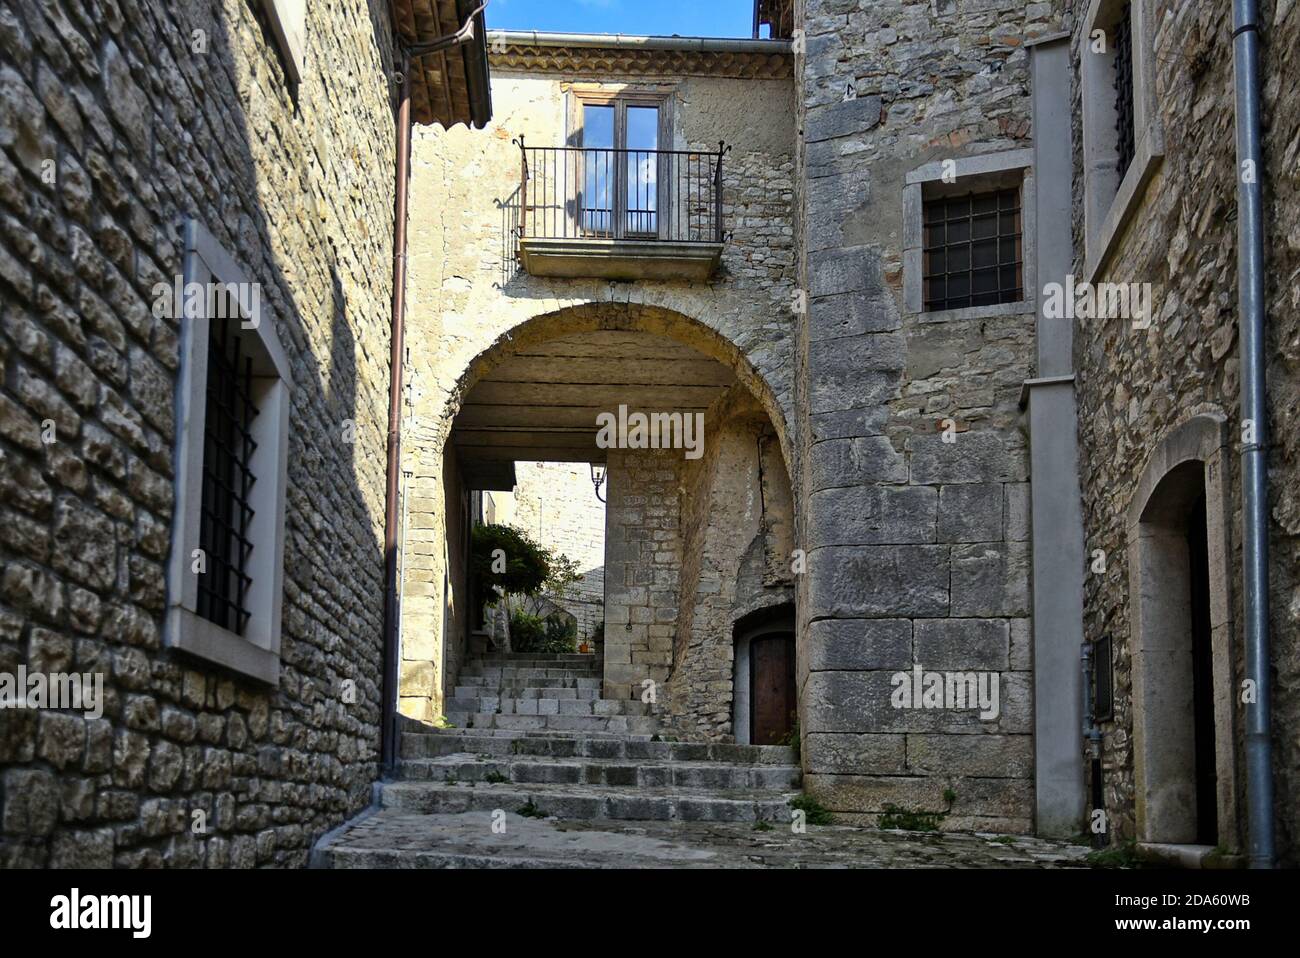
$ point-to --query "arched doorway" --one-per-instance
(1181, 643)
(537, 394)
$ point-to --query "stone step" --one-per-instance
(484, 682)
(515, 674)
(636, 724)
(544, 706)
(464, 767)
(593, 745)
(475, 691)
(578, 657)
(591, 803)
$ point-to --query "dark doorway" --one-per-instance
(1207, 827)
(772, 704)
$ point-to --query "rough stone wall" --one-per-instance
(732, 520)
(1136, 386)
(643, 559)
(917, 548)
(556, 504)
(466, 292)
(142, 131)
(435, 600)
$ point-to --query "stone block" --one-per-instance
(859, 644)
(978, 644)
(975, 456)
(970, 512)
(873, 515)
(885, 581)
(854, 462)
(991, 580)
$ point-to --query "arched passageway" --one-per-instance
(699, 521)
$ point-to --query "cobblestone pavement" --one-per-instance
(391, 838)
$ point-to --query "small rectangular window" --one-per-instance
(1103, 697)
(228, 448)
(972, 250)
(1124, 120)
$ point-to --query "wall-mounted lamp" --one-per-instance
(598, 472)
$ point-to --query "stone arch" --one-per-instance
(1191, 463)
(630, 317)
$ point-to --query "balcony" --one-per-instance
(620, 214)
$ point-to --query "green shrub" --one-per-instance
(532, 633)
(909, 821)
(505, 558)
(814, 812)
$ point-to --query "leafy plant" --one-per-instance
(908, 820)
(494, 777)
(532, 633)
(1122, 855)
(506, 561)
(814, 812)
(791, 738)
(529, 810)
(762, 826)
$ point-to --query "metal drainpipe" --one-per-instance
(1254, 409)
(388, 731)
(1092, 733)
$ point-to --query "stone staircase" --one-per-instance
(536, 691)
(537, 758)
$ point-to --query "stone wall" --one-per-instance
(116, 123)
(643, 558)
(1136, 386)
(467, 295)
(916, 547)
(556, 504)
(737, 514)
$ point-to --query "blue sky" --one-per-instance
(688, 18)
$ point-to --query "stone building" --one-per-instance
(926, 480)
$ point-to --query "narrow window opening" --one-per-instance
(228, 479)
(1124, 119)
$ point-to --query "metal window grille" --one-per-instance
(972, 250)
(1124, 89)
(227, 479)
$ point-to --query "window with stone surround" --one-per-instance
(1123, 139)
(226, 569)
(968, 228)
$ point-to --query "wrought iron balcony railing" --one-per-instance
(672, 196)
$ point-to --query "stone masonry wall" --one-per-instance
(466, 292)
(917, 548)
(140, 128)
(731, 522)
(643, 558)
(556, 504)
(1136, 386)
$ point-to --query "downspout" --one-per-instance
(1092, 734)
(388, 731)
(1254, 411)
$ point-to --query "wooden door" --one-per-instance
(772, 703)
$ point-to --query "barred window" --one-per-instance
(972, 250)
(228, 448)
(1124, 121)
(225, 573)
